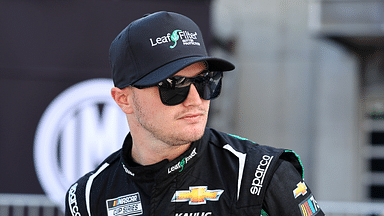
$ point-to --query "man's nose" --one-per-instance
(193, 97)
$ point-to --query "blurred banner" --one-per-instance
(57, 118)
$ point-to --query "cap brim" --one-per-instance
(172, 68)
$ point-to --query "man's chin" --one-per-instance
(190, 136)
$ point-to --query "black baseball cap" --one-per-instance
(156, 47)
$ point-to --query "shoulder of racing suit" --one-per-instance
(257, 165)
(77, 199)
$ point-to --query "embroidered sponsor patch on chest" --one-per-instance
(125, 205)
(197, 195)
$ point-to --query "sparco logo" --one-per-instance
(77, 131)
(262, 168)
(180, 164)
(186, 38)
(73, 201)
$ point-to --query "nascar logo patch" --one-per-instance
(125, 205)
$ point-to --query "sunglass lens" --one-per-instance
(173, 96)
(208, 87)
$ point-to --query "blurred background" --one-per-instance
(309, 77)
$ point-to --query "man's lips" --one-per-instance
(191, 116)
(194, 115)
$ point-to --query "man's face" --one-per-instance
(174, 125)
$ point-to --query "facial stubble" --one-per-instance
(172, 137)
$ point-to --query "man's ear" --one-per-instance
(121, 97)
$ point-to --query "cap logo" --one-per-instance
(186, 37)
(174, 38)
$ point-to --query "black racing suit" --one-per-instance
(219, 175)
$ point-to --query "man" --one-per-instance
(170, 163)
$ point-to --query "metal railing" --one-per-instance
(28, 205)
(40, 205)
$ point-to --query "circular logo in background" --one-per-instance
(78, 130)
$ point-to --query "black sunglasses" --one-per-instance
(175, 90)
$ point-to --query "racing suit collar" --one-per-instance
(165, 168)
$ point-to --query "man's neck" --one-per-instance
(153, 151)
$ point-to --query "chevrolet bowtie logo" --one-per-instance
(300, 190)
(197, 195)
